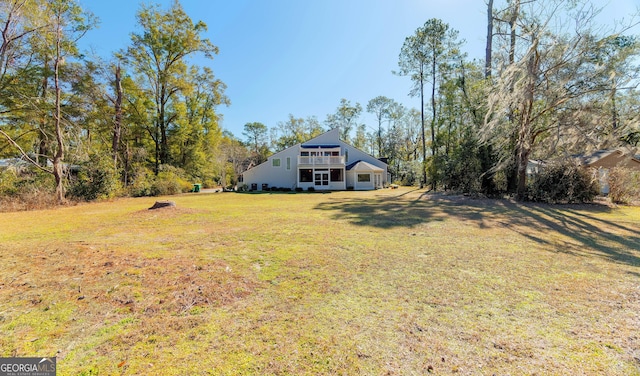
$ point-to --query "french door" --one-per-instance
(321, 178)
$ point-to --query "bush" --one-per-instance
(170, 181)
(27, 189)
(8, 182)
(563, 183)
(299, 189)
(311, 189)
(624, 185)
(141, 182)
(462, 170)
(97, 179)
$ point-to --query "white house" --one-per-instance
(324, 163)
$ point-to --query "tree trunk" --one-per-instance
(512, 26)
(162, 122)
(424, 142)
(523, 160)
(117, 124)
(42, 143)
(434, 149)
(379, 137)
(614, 109)
(525, 138)
(489, 48)
(156, 140)
(58, 158)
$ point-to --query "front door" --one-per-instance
(377, 181)
(321, 180)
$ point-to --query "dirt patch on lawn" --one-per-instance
(90, 289)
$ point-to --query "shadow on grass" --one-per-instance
(582, 231)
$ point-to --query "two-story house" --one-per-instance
(324, 163)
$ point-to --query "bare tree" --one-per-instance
(547, 88)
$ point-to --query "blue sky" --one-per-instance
(300, 57)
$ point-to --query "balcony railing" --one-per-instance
(324, 160)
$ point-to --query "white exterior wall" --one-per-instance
(333, 185)
(267, 173)
(353, 155)
(282, 177)
(375, 177)
(367, 185)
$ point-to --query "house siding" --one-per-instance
(286, 174)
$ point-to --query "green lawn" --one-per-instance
(391, 282)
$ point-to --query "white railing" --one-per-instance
(324, 160)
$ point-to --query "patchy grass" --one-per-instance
(388, 282)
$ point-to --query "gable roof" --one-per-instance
(610, 158)
(589, 159)
(331, 136)
(324, 146)
(362, 166)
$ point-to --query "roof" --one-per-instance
(595, 156)
(13, 162)
(362, 166)
(609, 158)
(305, 146)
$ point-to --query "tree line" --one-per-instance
(552, 83)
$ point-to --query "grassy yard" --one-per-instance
(392, 282)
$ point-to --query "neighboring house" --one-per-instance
(16, 164)
(604, 160)
(534, 167)
(324, 163)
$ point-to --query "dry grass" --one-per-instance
(389, 282)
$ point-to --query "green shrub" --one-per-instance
(141, 181)
(26, 189)
(564, 182)
(97, 179)
(462, 171)
(170, 181)
(8, 182)
(624, 185)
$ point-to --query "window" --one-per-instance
(336, 174)
(306, 175)
(304, 153)
(363, 178)
(275, 162)
(346, 155)
(288, 163)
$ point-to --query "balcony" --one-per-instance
(321, 160)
